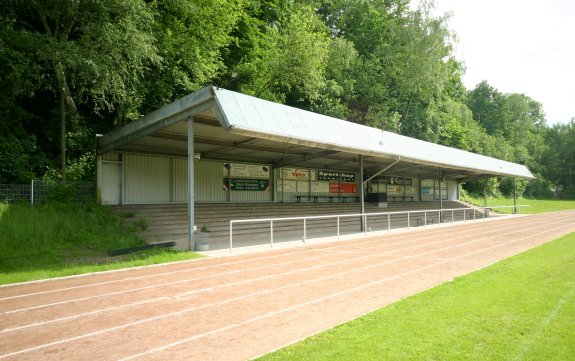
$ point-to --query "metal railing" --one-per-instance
(423, 218)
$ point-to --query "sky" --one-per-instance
(518, 46)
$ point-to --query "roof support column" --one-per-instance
(191, 191)
(361, 192)
(485, 193)
(440, 197)
(514, 196)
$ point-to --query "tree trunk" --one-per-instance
(63, 132)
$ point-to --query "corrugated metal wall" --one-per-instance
(163, 179)
(209, 185)
(147, 179)
(180, 179)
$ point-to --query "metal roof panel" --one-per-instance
(265, 119)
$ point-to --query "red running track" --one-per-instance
(239, 307)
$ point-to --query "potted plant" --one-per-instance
(202, 239)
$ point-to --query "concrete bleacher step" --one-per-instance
(168, 222)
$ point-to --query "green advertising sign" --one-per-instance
(245, 184)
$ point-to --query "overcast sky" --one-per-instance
(518, 46)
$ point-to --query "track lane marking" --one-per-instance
(318, 300)
(269, 291)
(379, 245)
(292, 251)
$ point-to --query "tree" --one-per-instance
(488, 107)
(290, 58)
(77, 41)
(560, 156)
(191, 37)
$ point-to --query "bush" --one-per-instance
(539, 188)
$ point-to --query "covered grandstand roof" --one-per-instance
(234, 126)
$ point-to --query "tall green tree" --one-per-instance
(488, 107)
(560, 156)
(96, 52)
(191, 37)
(290, 58)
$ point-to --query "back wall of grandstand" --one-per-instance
(139, 178)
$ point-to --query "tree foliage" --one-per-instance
(379, 63)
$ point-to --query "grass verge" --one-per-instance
(536, 205)
(62, 240)
(522, 308)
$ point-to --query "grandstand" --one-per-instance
(215, 156)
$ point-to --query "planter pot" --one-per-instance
(202, 241)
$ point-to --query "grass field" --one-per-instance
(536, 205)
(522, 308)
(54, 241)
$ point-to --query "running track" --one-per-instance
(236, 308)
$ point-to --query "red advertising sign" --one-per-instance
(333, 187)
(342, 187)
(348, 188)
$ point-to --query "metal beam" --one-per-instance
(191, 190)
(306, 157)
(361, 193)
(383, 170)
(170, 114)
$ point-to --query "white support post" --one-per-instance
(362, 193)
(191, 191)
(514, 197)
(272, 234)
(440, 197)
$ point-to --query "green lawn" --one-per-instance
(54, 241)
(536, 205)
(522, 308)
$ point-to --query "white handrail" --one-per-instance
(364, 216)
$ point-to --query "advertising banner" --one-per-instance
(297, 173)
(348, 188)
(319, 187)
(286, 186)
(326, 175)
(347, 177)
(333, 187)
(246, 184)
(253, 171)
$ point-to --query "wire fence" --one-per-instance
(38, 192)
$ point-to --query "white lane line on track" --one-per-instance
(292, 251)
(318, 300)
(84, 314)
(379, 245)
(269, 291)
(184, 294)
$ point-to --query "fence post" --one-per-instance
(425, 217)
(337, 227)
(272, 234)
(304, 230)
(388, 223)
(408, 222)
(32, 193)
(231, 233)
